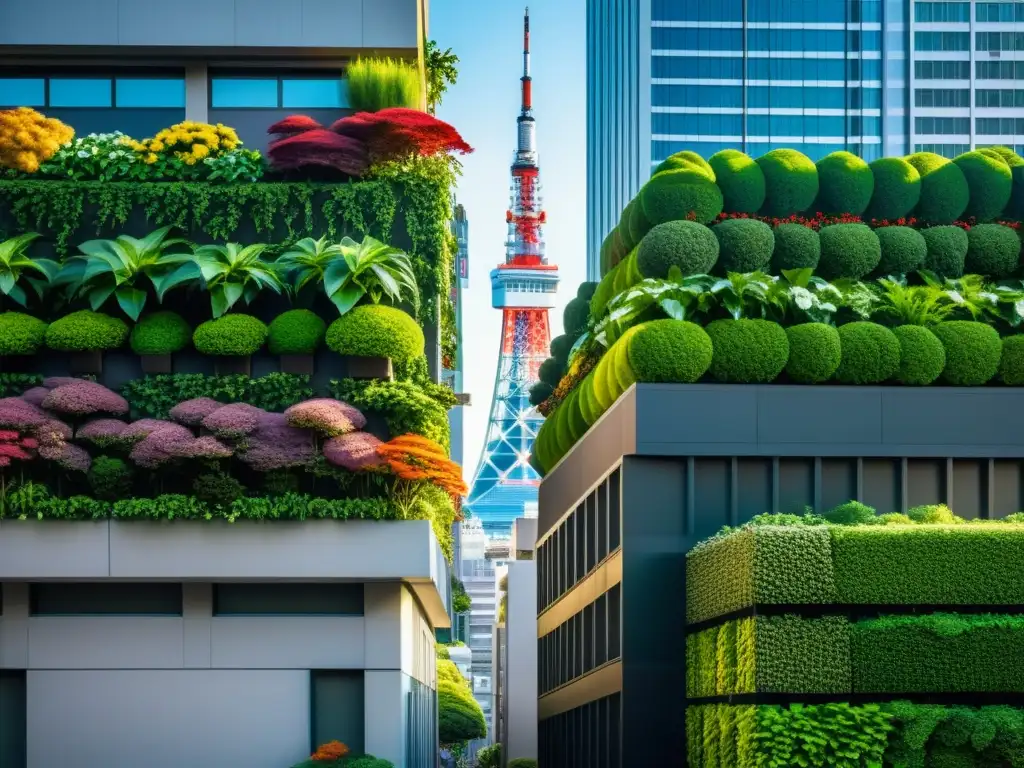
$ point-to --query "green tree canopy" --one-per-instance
(441, 72)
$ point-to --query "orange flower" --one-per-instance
(329, 752)
(419, 459)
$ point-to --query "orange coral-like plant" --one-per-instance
(28, 138)
(329, 752)
(415, 458)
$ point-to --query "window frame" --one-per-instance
(263, 74)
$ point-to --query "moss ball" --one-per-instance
(636, 224)
(682, 194)
(605, 385)
(791, 182)
(870, 354)
(922, 356)
(944, 191)
(606, 249)
(686, 161)
(1011, 366)
(990, 182)
(845, 184)
(575, 316)
(992, 250)
(814, 353)
(86, 331)
(897, 189)
(1008, 156)
(740, 179)
(947, 250)
(663, 351)
(796, 247)
(748, 351)
(296, 332)
(604, 292)
(616, 251)
(161, 333)
(973, 352)
(540, 452)
(848, 250)
(589, 406)
(745, 245)
(904, 250)
(230, 336)
(563, 434)
(577, 426)
(684, 244)
(376, 330)
(21, 334)
(621, 369)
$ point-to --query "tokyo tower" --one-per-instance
(523, 288)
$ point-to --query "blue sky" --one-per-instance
(487, 37)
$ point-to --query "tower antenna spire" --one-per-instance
(526, 80)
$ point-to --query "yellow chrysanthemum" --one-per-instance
(200, 151)
(27, 138)
(151, 158)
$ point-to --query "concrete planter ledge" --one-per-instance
(204, 551)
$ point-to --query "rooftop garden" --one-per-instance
(901, 272)
(855, 639)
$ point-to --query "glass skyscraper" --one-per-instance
(873, 77)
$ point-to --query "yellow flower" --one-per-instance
(151, 158)
(200, 151)
(156, 145)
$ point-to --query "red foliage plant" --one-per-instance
(329, 752)
(15, 447)
(319, 147)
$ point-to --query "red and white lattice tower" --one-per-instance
(523, 288)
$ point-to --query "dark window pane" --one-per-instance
(13, 729)
(105, 599)
(614, 622)
(307, 94)
(80, 92)
(337, 702)
(151, 92)
(243, 92)
(288, 599)
(22, 92)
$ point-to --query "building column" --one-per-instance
(14, 626)
(197, 93)
(197, 625)
(386, 715)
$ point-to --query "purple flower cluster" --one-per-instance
(326, 416)
(174, 441)
(275, 444)
(75, 458)
(19, 414)
(103, 432)
(234, 421)
(81, 398)
(53, 436)
(355, 451)
(192, 412)
(35, 395)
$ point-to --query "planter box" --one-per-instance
(302, 365)
(368, 367)
(226, 366)
(155, 364)
(86, 362)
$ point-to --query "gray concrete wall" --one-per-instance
(222, 24)
(521, 669)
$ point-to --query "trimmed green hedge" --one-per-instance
(796, 247)
(161, 333)
(296, 332)
(846, 184)
(690, 246)
(870, 354)
(990, 182)
(973, 352)
(1011, 365)
(992, 250)
(21, 334)
(740, 179)
(86, 331)
(686, 161)
(745, 245)
(947, 250)
(904, 250)
(376, 330)
(848, 250)
(814, 353)
(791, 182)
(672, 195)
(944, 190)
(673, 351)
(897, 189)
(747, 351)
(922, 356)
(230, 336)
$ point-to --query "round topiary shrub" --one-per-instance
(814, 353)
(1008, 156)
(740, 179)
(747, 351)
(897, 189)
(663, 351)
(791, 182)
(20, 334)
(944, 191)
(376, 330)
(86, 331)
(745, 245)
(561, 346)
(551, 371)
(848, 250)
(796, 247)
(686, 161)
(973, 352)
(577, 424)
(922, 356)
(845, 184)
(230, 336)
(636, 224)
(586, 290)
(540, 392)
(575, 316)
(904, 250)
(992, 250)
(990, 182)
(684, 244)
(947, 250)
(296, 332)
(683, 194)
(160, 333)
(1011, 365)
(870, 354)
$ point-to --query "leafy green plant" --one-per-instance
(306, 262)
(407, 407)
(110, 478)
(120, 267)
(441, 71)
(836, 735)
(16, 268)
(376, 84)
(809, 299)
(154, 396)
(233, 272)
(900, 304)
(931, 735)
(369, 269)
(753, 295)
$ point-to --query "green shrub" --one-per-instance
(904, 250)
(851, 513)
(459, 716)
(612, 250)
(791, 182)
(1011, 364)
(897, 189)
(586, 290)
(1008, 156)
(814, 353)
(740, 179)
(973, 351)
(845, 182)
(870, 354)
(673, 195)
(947, 250)
(833, 735)
(86, 331)
(745, 245)
(992, 250)
(376, 84)
(561, 346)
(747, 351)
(110, 478)
(686, 161)
(944, 190)
(797, 655)
(522, 762)
(636, 225)
(230, 335)
(922, 356)
(376, 330)
(551, 371)
(929, 564)
(933, 514)
(540, 392)
(160, 333)
(684, 244)
(296, 332)
(848, 250)
(990, 182)
(20, 334)
(217, 488)
(759, 565)
(575, 316)
(720, 661)
(954, 737)
(796, 247)
(668, 351)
